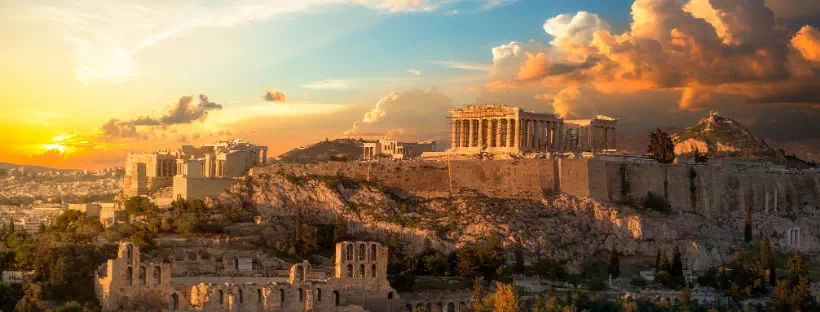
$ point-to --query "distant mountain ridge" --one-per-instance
(323, 151)
(31, 168)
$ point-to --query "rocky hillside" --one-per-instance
(324, 151)
(723, 137)
(571, 230)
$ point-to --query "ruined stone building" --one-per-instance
(206, 279)
(395, 149)
(498, 128)
(193, 172)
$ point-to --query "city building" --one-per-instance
(498, 128)
(192, 172)
(396, 150)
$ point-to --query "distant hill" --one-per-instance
(31, 168)
(721, 137)
(322, 151)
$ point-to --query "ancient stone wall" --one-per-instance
(706, 190)
(185, 187)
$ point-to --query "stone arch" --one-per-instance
(157, 275)
(318, 294)
(174, 302)
(373, 252)
(429, 307)
(362, 252)
(419, 306)
(259, 296)
(349, 270)
(390, 295)
(236, 264)
(142, 279)
(221, 295)
(129, 276)
(408, 307)
(439, 307)
(349, 252)
(241, 295)
(462, 306)
(336, 298)
(301, 295)
(361, 271)
(451, 307)
(281, 295)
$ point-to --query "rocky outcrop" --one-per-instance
(573, 230)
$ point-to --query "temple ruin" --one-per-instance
(498, 128)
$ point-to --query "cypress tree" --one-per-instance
(613, 267)
(664, 265)
(340, 231)
(747, 229)
(658, 261)
(677, 265)
(297, 244)
(766, 260)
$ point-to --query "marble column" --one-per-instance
(481, 142)
(453, 133)
(462, 140)
(470, 133)
(517, 138)
(498, 132)
(510, 132)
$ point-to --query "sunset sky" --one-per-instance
(82, 83)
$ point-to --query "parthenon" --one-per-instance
(498, 128)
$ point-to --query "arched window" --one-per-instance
(318, 294)
(430, 307)
(236, 264)
(241, 296)
(301, 295)
(451, 307)
(129, 276)
(372, 252)
(419, 307)
(281, 295)
(361, 270)
(157, 275)
(390, 295)
(258, 296)
(349, 270)
(372, 270)
(408, 307)
(175, 302)
(129, 251)
(221, 297)
(362, 252)
(349, 252)
(142, 276)
(336, 298)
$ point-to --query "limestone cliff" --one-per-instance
(574, 230)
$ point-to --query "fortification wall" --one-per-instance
(706, 190)
(199, 188)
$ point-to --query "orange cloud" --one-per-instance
(807, 41)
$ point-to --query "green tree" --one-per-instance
(747, 228)
(661, 147)
(613, 264)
